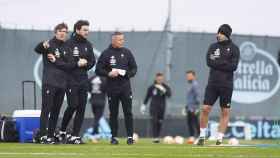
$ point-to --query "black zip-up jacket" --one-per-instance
(222, 59)
(118, 58)
(53, 75)
(158, 97)
(78, 47)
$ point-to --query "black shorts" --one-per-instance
(212, 93)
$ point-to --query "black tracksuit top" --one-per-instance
(222, 59)
(53, 75)
(78, 47)
(119, 58)
(158, 98)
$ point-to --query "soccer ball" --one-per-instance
(233, 141)
(168, 140)
(191, 140)
(179, 140)
(135, 137)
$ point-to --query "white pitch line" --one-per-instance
(49, 154)
(198, 155)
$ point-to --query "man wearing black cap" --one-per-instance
(222, 59)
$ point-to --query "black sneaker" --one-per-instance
(51, 141)
(61, 137)
(43, 140)
(201, 141)
(156, 140)
(130, 141)
(36, 137)
(74, 140)
(219, 142)
(114, 141)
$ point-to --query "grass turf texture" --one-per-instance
(144, 148)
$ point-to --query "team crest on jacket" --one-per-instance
(113, 60)
(257, 77)
(76, 52)
(215, 54)
(57, 53)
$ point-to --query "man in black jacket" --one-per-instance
(158, 93)
(222, 59)
(118, 65)
(54, 82)
(81, 52)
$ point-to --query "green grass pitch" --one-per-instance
(142, 149)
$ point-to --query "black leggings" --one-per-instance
(52, 99)
(157, 116)
(77, 100)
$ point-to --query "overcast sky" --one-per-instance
(258, 17)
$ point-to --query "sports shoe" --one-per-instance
(50, 141)
(201, 141)
(156, 140)
(130, 141)
(74, 140)
(43, 140)
(114, 141)
(219, 142)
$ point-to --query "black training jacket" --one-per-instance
(222, 59)
(157, 97)
(53, 75)
(119, 58)
(78, 47)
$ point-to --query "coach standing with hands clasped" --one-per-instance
(118, 65)
(81, 52)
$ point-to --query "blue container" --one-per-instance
(27, 121)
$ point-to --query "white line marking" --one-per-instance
(49, 154)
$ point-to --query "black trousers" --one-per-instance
(77, 100)
(193, 124)
(157, 112)
(125, 97)
(97, 110)
(52, 99)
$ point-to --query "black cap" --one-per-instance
(226, 30)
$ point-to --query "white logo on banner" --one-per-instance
(257, 77)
